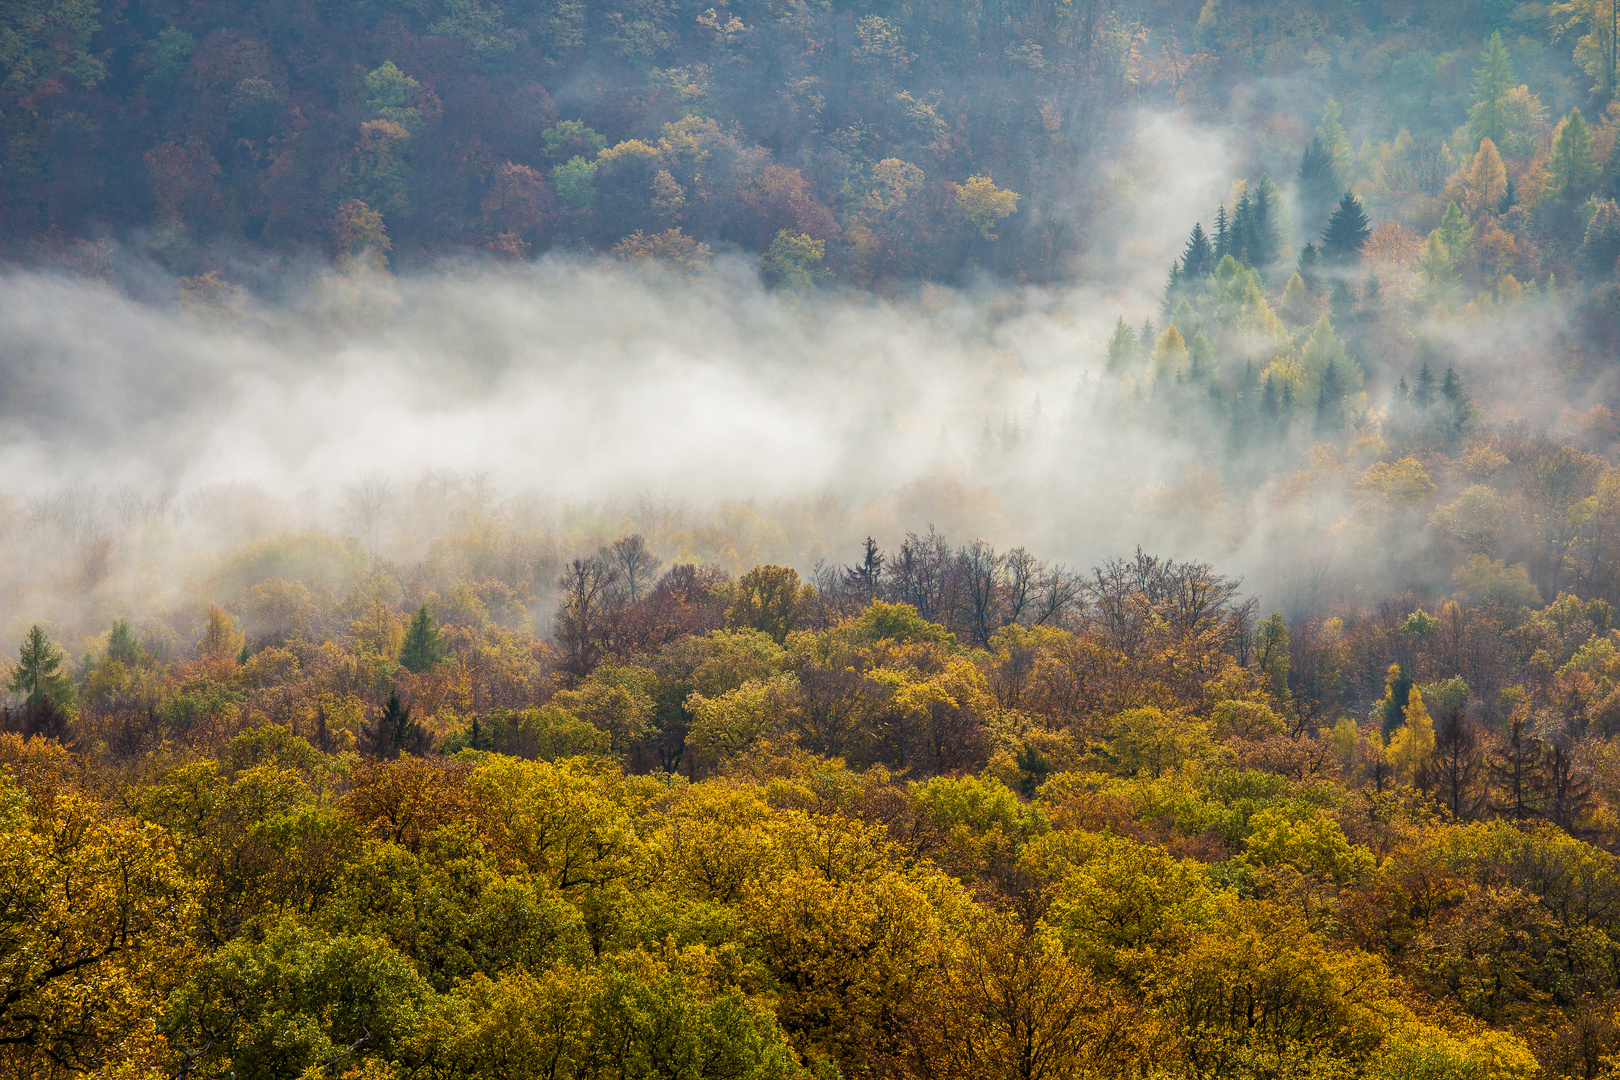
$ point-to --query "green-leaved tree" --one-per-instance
(1493, 82)
(424, 645)
(1346, 233)
(1571, 164)
(38, 674)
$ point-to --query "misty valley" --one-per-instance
(809, 540)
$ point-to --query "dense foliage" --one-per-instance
(450, 795)
(942, 811)
(881, 141)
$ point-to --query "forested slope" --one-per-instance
(1104, 824)
(388, 777)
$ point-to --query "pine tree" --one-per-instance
(424, 645)
(1242, 226)
(1436, 268)
(1516, 767)
(1601, 246)
(1172, 287)
(1493, 82)
(1264, 239)
(1185, 318)
(1346, 233)
(1331, 132)
(1034, 768)
(1330, 400)
(122, 646)
(37, 675)
(865, 577)
(1397, 690)
(1485, 182)
(1457, 766)
(1566, 786)
(1318, 182)
(1309, 259)
(1223, 236)
(1455, 232)
(1342, 301)
(1371, 296)
(1200, 356)
(1268, 398)
(1170, 355)
(1571, 164)
(1456, 399)
(1423, 390)
(1298, 306)
(1199, 257)
(395, 731)
(1121, 349)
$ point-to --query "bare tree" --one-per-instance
(923, 574)
(983, 589)
(1061, 596)
(1129, 595)
(366, 507)
(585, 586)
(636, 564)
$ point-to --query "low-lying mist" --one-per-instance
(153, 424)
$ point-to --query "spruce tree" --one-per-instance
(1455, 232)
(1331, 132)
(1436, 268)
(424, 645)
(1566, 786)
(1264, 239)
(1493, 82)
(394, 731)
(1172, 287)
(1457, 765)
(1346, 233)
(37, 675)
(1242, 228)
(1571, 163)
(122, 646)
(1397, 691)
(1456, 399)
(1309, 259)
(1601, 247)
(1318, 182)
(1223, 235)
(1330, 401)
(1423, 390)
(1198, 259)
(1200, 356)
(1516, 768)
(1121, 349)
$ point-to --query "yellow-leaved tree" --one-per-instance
(983, 204)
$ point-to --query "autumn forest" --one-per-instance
(809, 540)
